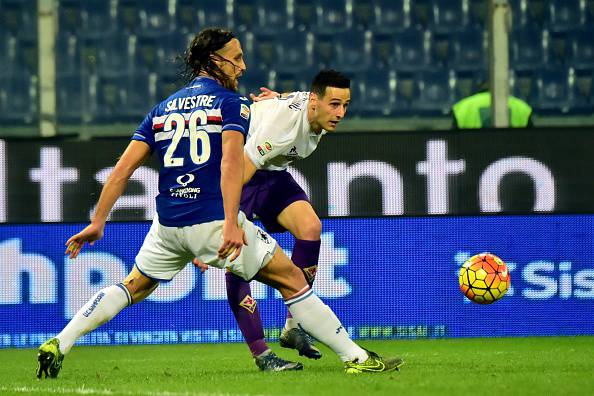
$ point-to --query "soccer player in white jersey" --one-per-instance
(198, 134)
(282, 130)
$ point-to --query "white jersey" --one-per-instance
(279, 132)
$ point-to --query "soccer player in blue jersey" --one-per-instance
(198, 134)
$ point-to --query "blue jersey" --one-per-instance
(186, 132)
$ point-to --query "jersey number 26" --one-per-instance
(197, 118)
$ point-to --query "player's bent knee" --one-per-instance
(315, 230)
(310, 229)
(140, 294)
(139, 286)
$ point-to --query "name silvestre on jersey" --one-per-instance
(189, 102)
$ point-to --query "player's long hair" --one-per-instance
(198, 58)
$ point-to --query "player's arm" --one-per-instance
(248, 168)
(248, 171)
(231, 184)
(134, 155)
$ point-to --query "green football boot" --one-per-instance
(49, 359)
(373, 364)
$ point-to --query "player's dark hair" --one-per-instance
(198, 57)
(329, 78)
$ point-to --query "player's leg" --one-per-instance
(317, 318)
(239, 294)
(245, 310)
(301, 220)
(100, 308)
(104, 305)
(283, 205)
(161, 257)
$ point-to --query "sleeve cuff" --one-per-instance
(234, 127)
(138, 136)
(255, 161)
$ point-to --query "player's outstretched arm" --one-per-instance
(231, 184)
(134, 155)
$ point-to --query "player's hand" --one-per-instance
(90, 234)
(233, 240)
(199, 264)
(264, 95)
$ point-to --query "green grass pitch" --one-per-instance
(482, 366)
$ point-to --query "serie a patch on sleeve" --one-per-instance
(245, 111)
(265, 148)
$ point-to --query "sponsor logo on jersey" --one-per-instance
(268, 146)
(245, 111)
(185, 192)
(293, 153)
(249, 303)
(261, 151)
(186, 179)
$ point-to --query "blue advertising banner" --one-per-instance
(388, 277)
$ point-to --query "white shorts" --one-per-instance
(167, 250)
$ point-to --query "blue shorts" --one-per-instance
(267, 194)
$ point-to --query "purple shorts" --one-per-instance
(267, 194)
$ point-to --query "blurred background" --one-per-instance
(409, 60)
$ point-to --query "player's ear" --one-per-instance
(215, 59)
(313, 98)
(218, 59)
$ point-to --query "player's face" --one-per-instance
(331, 108)
(230, 61)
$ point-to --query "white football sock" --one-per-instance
(103, 306)
(290, 323)
(317, 319)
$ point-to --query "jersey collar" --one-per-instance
(203, 80)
